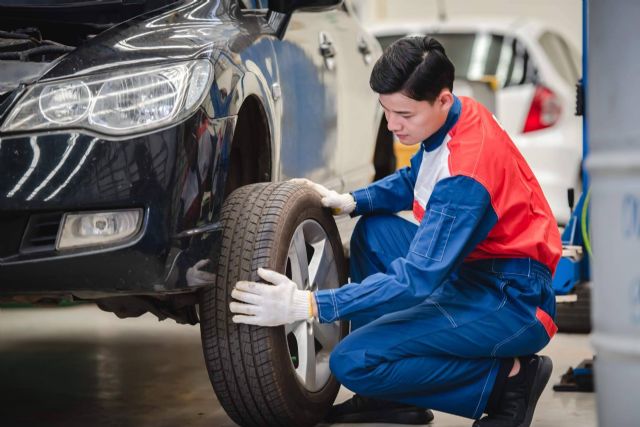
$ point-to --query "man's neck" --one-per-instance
(435, 140)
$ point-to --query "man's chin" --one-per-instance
(407, 140)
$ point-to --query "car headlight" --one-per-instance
(115, 104)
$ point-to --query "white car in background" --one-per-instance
(533, 71)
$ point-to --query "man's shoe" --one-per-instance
(519, 398)
(360, 409)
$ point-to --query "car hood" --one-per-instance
(183, 30)
(70, 3)
(101, 13)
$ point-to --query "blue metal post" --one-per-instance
(585, 85)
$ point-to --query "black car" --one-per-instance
(144, 149)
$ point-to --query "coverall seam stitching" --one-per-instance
(448, 316)
(504, 297)
(419, 234)
(512, 337)
(366, 190)
(484, 388)
(335, 303)
(320, 317)
(446, 241)
(491, 312)
(428, 216)
(330, 318)
(434, 234)
(503, 302)
(445, 214)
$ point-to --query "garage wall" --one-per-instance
(564, 15)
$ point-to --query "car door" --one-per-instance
(358, 118)
(307, 63)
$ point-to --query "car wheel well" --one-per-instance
(250, 157)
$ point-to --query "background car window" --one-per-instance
(483, 56)
(575, 57)
(474, 55)
(522, 69)
(572, 55)
(560, 56)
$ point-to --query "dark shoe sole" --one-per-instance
(543, 373)
(391, 416)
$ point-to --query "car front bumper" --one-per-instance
(175, 175)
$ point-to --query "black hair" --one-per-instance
(415, 66)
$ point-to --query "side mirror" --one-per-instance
(288, 6)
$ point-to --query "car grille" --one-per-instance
(12, 227)
(41, 232)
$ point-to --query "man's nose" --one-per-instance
(392, 124)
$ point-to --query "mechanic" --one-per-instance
(447, 314)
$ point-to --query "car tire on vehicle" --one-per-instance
(575, 316)
(273, 376)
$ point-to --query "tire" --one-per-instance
(258, 373)
(575, 317)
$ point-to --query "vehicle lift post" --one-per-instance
(574, 265)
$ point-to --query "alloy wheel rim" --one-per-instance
(311, 265)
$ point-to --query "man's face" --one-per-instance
(413, 121)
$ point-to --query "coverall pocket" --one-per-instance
(433, 235)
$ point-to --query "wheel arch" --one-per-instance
(384, 158)
(251, 151)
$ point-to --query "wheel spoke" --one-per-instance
(290, 327)
(322, 267)
(298, 257)
(327, 334)
(323, 370)
(307, 355)
(320, 272)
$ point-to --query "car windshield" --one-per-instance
(483, 57)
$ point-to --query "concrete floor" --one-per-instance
(79, 366)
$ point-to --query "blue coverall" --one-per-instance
(435, 308)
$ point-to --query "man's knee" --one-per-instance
(346, 363)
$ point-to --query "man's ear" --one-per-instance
(445, 99)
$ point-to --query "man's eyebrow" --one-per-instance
(397, 112)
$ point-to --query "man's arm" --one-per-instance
(458, 217)
(390, 194)
(393, 193)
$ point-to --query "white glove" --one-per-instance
(197, 276)
(268, 305)
(340, 204)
